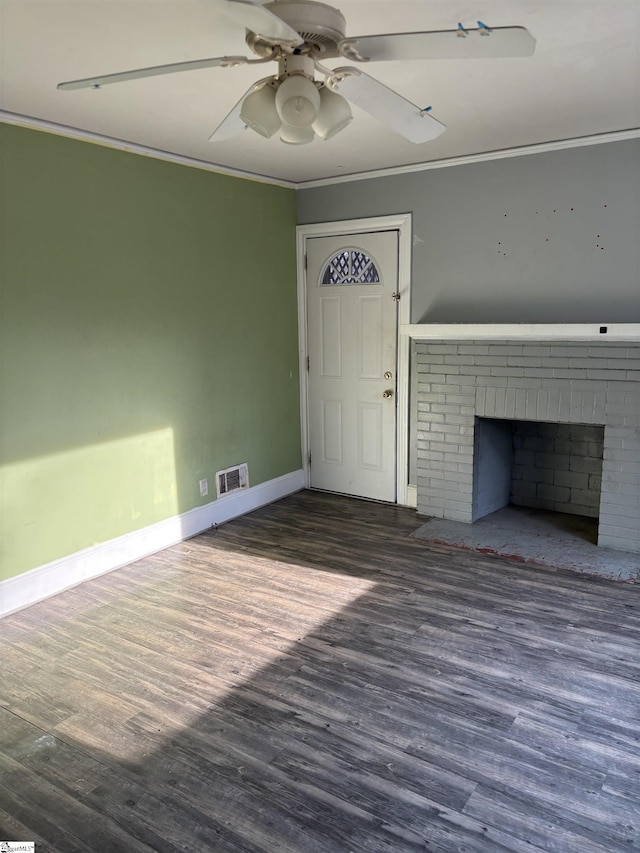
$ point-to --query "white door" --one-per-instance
(352, 284)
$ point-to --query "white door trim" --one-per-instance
(402, 224)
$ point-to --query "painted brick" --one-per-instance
(606, 375)
(505, 350)
(625, 506)
(459, 482)
(474, 349)
(539, 373)
(475, 370)
(618, 543)
(578, 509)
(523, 489)
(444, 466)
(632, 491)
(555, 362)
(575, 446)
(461, 399)
(584, 496)
(585, 465)
(521, 403)
(557, 461)
(435, 378)
(468, 389)
(623, 443)
(553, 493)
(433, 398)
(507, 371)
(427, 456)
(618, 470)
(572, 479)
(523, 361)
(620, 456)
(629, 388)
(623, 432)
(567, 373)
(492, 360)
(448, 349)
(460, 420)
(447, 408)
(613, 349)
(436, 417)
(570, 351)
(629, 363)
(564, 382)
(493, 381)
(464, 455)
(534, 350)
(592, 363)
(622, 529)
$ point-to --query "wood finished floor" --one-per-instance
(310, 679)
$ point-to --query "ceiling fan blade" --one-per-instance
(484, 42)
(383, 103)
(232, 124)
(153, 71)
(252, 15)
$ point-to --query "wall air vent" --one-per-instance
(232, 479)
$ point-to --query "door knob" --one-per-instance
(387, 394)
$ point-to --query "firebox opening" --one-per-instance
(550, 466)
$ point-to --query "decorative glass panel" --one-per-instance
(350, 266)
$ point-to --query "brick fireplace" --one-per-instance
(554, 425)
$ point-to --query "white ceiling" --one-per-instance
(583, 80)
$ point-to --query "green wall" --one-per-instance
(148, 338)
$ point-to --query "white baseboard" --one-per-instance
(412, 496)
(44, 581)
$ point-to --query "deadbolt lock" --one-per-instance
(388, 375)
(388, 393)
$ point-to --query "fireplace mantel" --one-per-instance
(522, 331)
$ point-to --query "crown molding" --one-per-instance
(133, 148)
(502, 154)
(192, 162)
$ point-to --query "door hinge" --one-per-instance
(305, 262)
(307, 362)
(309, 459)
(395, 297)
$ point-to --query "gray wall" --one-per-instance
(540, 238)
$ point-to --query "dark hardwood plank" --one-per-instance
(312, 679)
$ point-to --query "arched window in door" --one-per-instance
(350, 266)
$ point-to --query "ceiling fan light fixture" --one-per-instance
(296, 135)
(298, 101)
(334, 114)
(259, 111)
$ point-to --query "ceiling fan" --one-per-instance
(300, 35)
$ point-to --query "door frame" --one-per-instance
(402, 223)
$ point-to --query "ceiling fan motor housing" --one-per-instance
(321, 26)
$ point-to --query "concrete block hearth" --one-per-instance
(590, 384)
